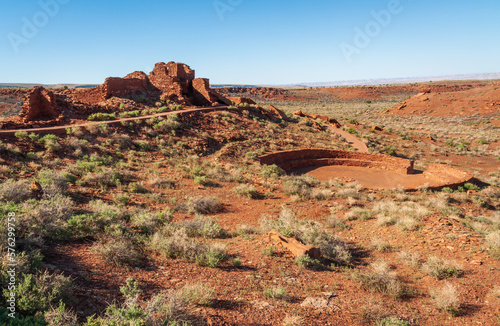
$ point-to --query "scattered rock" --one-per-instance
(294, 246)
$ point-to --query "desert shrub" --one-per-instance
(20, 320)
(146, 221)
(269, 251)
(441, 268)
(176, 244)
(246, 190)
(204, 226)
(170, 125)
(162, 309)
(245, 229)
(306, 262)
(409, 258)
(137, 188)
(204, 205)
(37, 292)
(106, 217)
(122, 141)
(16, 191)
(278, 293)
(61, 316)
(446, 298)
(407, 215)
(53, 182)
(493, 244)
(381, 279)
(101, 116)
(46, 218)
(160, 183)
(299, 186)
(198, 294)
(358, 213)
(309, 233)
(335, 222)
(105, 178)
(271, 171)
(120, 252)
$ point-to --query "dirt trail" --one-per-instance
(62, 129)
(351, 139)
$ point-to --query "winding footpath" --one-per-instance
(351, 139)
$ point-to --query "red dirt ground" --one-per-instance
(483, 101)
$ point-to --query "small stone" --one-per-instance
(329, 295)
(317, 303)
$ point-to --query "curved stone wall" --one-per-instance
(288, 160)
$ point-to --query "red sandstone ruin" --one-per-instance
(39, 104)
(171, 81)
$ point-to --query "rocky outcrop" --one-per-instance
(294, 246)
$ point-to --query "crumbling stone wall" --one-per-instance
(288, 160)
(39, 104)
(123, 86)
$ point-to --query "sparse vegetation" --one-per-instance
(446, 298)
(441, 268)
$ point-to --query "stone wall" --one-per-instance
(39, 104)
(288, 160)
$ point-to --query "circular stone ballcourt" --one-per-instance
(373, 171)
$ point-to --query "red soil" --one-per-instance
(484, 101)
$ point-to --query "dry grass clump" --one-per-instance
(278, 293)
(293, 320)
(60, 316)
(442, 268)
(247, 191)
(409, 258)
(46, 218)
(358, 213)
(204, 226)
(244, 229)
(381, 279)
(198, 294)
(175, 243)
(16, 191)
(120, 252)
(493, 244)
(300, 186)
(309, 233)
(203, 205)
(334, 222)
(406, 215)
(446, 298)
(146, 221)
(160, 183)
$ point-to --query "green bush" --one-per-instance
(246, 190)
(271, 171)
(20, 320)
(101, 117)
(204, 226)
(37, 292)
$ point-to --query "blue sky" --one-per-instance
(247, 41)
